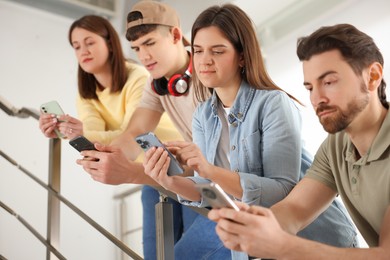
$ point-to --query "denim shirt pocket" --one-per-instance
(252, 148)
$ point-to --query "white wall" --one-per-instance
(284, 67)
(38, 65)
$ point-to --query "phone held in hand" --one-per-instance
(215, 196)
(80, 143)
(53, 107)
(148, 140)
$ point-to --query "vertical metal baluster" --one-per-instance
(53, 204)
(164, 229)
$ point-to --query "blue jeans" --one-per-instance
(182, 219)
(194, 235)
(201, 242)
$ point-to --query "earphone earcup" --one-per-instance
(178, 85)
(160, 86)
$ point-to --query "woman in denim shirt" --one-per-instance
(247, 136)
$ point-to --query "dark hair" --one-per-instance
(357, 48)
(238, 28)
(86, 81)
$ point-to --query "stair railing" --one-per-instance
(54, 197)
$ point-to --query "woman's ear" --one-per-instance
(242, 60)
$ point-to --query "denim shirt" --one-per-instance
(266, 151)
(265, 143)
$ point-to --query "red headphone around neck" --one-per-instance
(177, 85)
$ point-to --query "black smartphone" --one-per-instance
(80, 143)
(215, 196)
(148, 140)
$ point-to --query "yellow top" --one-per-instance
(106, 118)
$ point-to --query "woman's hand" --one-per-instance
(47, 124)
(156, 164)
(70, 126)
(189, 154)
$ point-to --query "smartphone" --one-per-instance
(53, 107)
(215, 196)
(80, 143)
(148, 140)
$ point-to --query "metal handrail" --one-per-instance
(54, 197)
(33, 231)
(164, 219)
(90, 221)
(122, 195)
(170, 194)
(18, 112)
(53, 189)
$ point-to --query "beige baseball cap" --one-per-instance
(156, 13)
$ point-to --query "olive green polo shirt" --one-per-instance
(363, 184)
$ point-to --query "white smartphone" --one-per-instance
(53, 107)
(148, 140)
(215, 196)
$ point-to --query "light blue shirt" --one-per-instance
(266, 151)
(265, 143)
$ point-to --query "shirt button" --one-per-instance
(236, 170)
(356, 167)
(354, 180)
(234, 124)
(233, 147)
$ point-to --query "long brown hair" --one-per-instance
(238, 28)
(357, 48)
(87, 82)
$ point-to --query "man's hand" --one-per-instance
(253, 230)
(110, 166)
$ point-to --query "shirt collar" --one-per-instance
(381, 141)
(240, 105)
(378, 147)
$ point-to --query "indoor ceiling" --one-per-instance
(274, 19)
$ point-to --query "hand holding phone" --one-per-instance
(215, 196)
(80, 143)
(148, 140)
(53, 107)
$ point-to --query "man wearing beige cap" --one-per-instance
(154, 32)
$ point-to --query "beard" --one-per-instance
(340, 119)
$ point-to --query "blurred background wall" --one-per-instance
(37, 65)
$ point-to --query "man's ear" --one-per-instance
(177, 34)
(375, 75)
